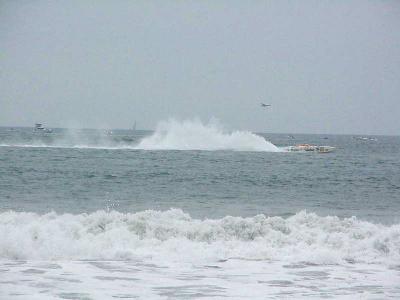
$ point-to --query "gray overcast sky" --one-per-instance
(325, 66)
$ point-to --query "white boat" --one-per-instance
(325, 149)
(310, 148)
(364, 138)
(40, 128)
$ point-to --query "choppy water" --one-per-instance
(190, 211)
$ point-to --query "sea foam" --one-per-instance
(174, 236)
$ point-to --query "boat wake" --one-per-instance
(194, 135)
(169, 135)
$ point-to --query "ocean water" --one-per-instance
(192, 211)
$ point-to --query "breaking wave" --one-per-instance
(194, 135)
(174, 236)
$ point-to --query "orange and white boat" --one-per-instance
(310, 148)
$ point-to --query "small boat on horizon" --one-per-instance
(40, 128)
(365, 138)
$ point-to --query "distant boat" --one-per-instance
(40, 128)
(364, 138)
(134, 126)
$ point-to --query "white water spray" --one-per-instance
(194, 135)
(169, 135)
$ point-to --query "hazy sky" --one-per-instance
(325, 66)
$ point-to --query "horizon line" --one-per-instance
(256, 132)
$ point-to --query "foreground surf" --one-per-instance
(174, 236)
